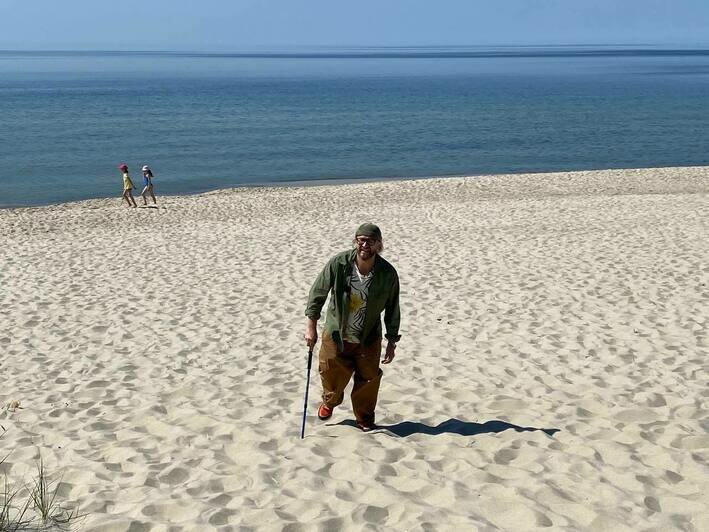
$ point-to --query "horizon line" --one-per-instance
(389, 51)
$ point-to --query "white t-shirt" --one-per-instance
(357, 304)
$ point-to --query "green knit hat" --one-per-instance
(369, 230)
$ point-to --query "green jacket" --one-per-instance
(383, 296)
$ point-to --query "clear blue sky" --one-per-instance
(280, 24)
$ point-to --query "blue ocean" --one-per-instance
(204, 121)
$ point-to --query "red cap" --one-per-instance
(123, 166)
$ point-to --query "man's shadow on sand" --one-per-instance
(452, 426)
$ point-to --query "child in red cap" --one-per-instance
(127, 186)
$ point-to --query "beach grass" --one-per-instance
(37, 507)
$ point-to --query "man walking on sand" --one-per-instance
(361, 285)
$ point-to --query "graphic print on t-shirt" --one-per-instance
(357, 304)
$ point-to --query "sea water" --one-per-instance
(204, 121)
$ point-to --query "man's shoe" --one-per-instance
(366, 427)
(324, 412)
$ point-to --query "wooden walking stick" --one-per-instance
(307, 387)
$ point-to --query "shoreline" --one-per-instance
(353, 181)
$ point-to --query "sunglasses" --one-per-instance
(362, 240)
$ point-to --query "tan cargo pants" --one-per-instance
(336, 370)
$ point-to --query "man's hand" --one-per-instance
(311, 334)
(390, 354)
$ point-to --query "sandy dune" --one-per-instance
(552, 370)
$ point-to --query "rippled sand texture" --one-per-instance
(552, 371)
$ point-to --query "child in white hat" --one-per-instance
(148, 182)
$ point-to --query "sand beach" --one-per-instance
(552, 371)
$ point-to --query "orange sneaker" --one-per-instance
(324, 412)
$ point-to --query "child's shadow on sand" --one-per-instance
(452, 426)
